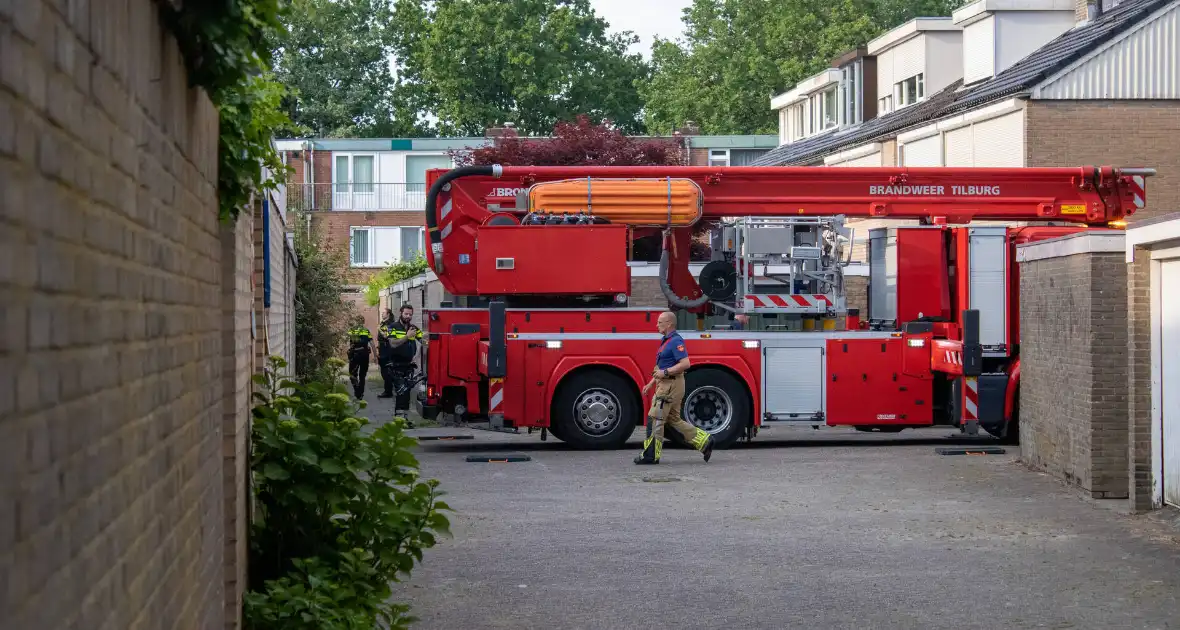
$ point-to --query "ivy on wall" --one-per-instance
(226, 47)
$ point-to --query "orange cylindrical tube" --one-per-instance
(642, 202)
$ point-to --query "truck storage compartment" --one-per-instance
(645, 202)
(552, 259)
(989, 287)
(793, 383)
(866, 385)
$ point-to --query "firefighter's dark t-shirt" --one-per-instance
(671, 351)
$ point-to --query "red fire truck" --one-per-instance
(557, 348)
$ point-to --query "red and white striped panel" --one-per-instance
(1139, 189)
(953, 358)
(970, 399)
(797, 301)
(496, 395)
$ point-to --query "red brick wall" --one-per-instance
(1115, 133)
(333, 228)
(698, 157)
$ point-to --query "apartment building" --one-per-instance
(1001, 83)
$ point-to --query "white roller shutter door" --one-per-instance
(979, 50)
(1000, 141)
(1169, 314)
(924, 152)
(909, 59)
(872, 159)
(959, 148)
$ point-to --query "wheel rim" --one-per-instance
(709, 408)
(596, 411)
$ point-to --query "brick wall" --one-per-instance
(856, 294)
(1073, 403)
(1138, 379)
(1116, 133)
(238, 364)
(315, 195)
(698, 157)
(334, 229)
(275, 334)
(114, 326)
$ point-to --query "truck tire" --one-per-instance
(595, 409)
(716, 401)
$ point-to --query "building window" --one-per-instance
(718, 157)
(361, 247)
(824, 110)
(354, 172)
(910, 91)
(745, 157)
(851, 110)
(377, 246)
(885, 104)
(411, 238)
(416, 167)
(797, 131)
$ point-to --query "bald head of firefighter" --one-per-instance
(667, 378)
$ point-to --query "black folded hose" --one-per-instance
(494, 170)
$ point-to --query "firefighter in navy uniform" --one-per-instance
(668, 379)
(402, 339)
(360, 347)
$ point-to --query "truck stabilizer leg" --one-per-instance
(972, 368)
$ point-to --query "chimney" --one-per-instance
(508, 129)
(1087, 10)
(690, 128)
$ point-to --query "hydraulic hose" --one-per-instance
(673, 299)
(436, 246)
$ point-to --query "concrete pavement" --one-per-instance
(803, 529)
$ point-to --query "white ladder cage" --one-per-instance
(801, 260)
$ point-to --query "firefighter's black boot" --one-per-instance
(707, 452)
(643, 461)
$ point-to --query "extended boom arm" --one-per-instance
(463, 200)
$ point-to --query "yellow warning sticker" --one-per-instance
(1073, 208)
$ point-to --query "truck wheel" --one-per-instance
(595, 409)
(718, 403)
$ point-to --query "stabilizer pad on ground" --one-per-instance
(498, 459)
(445, 437)
(970, 450)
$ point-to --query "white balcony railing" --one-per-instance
(356, 196)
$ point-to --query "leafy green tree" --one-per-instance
(321, 317)
(335, 59)
(476, 63)
(736, 54)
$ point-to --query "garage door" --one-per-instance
(1170, 377)
(924, 152)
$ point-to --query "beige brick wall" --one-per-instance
(856, 294)
(119, 320)
(237, 366)
(275, 324)
(1138, 380)
(1115, 133)
(1073, 403)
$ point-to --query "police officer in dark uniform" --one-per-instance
(402, 339)
(360, 346)
(668, 379)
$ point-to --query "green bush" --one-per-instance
(321, 317)
(340, 512)
(391, 275)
